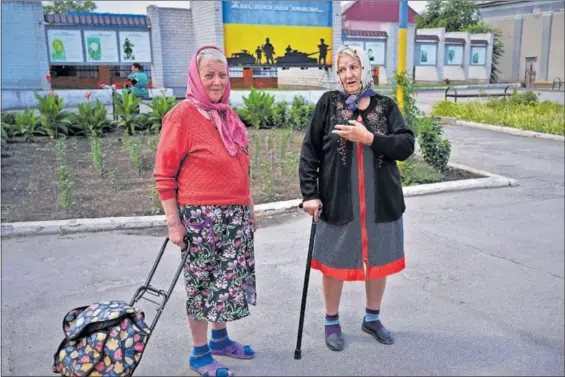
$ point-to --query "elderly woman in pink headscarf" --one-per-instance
(202, 176)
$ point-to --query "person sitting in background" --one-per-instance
(202, 176)
(139, 81)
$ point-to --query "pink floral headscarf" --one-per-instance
(231, 128)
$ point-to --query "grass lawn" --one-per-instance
(522, 111)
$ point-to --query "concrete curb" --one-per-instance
(34, 228)
(508, 130)
(489, 181)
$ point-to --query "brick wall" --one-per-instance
(207, 23)
(173, 38)
(24, 49)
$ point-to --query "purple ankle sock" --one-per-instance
(332, 325)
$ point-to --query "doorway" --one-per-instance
(530, 72)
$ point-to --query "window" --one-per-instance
(478, 55)
(454, 55)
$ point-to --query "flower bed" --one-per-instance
(83, 165)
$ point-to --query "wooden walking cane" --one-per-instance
(298, 351)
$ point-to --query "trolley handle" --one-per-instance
(147, 288)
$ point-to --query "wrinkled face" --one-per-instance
(214, 77)
(349, 70)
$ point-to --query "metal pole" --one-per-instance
(402, 47)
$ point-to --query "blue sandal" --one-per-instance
(212, 369)
(235, 350)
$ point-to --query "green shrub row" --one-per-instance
(520, 110)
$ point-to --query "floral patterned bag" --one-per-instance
(108, 338)
(103, 339)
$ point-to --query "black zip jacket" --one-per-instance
(325, 159)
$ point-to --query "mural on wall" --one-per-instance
(278, 33)
(428, 54)
(478, 55)
(101, 46)
(376, 52)
(135, 46)
(65, 46)
(454, 55)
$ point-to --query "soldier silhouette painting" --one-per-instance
(259, 54)
(269, 50)
(323, 51)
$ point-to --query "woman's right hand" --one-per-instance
(313, 207)
(177, 233)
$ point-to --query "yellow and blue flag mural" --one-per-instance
(278, 33)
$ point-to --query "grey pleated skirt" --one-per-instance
(360, 250)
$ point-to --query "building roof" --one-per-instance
(479, 42)
(425, 37)
(455, 40)
(379, 11)
(98, 19)
(496, 3)
(377, 34)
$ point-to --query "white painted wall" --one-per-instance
(458, 73)
(482, 73)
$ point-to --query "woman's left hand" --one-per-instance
(356, 132)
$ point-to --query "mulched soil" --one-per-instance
(30, 192)
(29, 178)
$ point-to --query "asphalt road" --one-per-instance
(482, 294)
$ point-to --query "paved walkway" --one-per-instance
(482, 293)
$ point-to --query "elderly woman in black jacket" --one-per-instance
(351, 184)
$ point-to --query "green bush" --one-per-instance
(520, 110)
(160, 106)
(91, 120)
(258, 109)
(435, 148)
(281, 116)
(301, 113)
(27, 126)
(127, 109)
(9, 118)
(54, 120)
(417, 172)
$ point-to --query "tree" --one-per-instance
(453, 15)
(461, 15)
(64, 6)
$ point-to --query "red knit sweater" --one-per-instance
(191, 146)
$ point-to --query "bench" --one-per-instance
(456, 95)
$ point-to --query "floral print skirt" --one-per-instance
(220, 269)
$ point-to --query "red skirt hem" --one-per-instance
(358, 274)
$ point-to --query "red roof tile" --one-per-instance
(379, 11)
